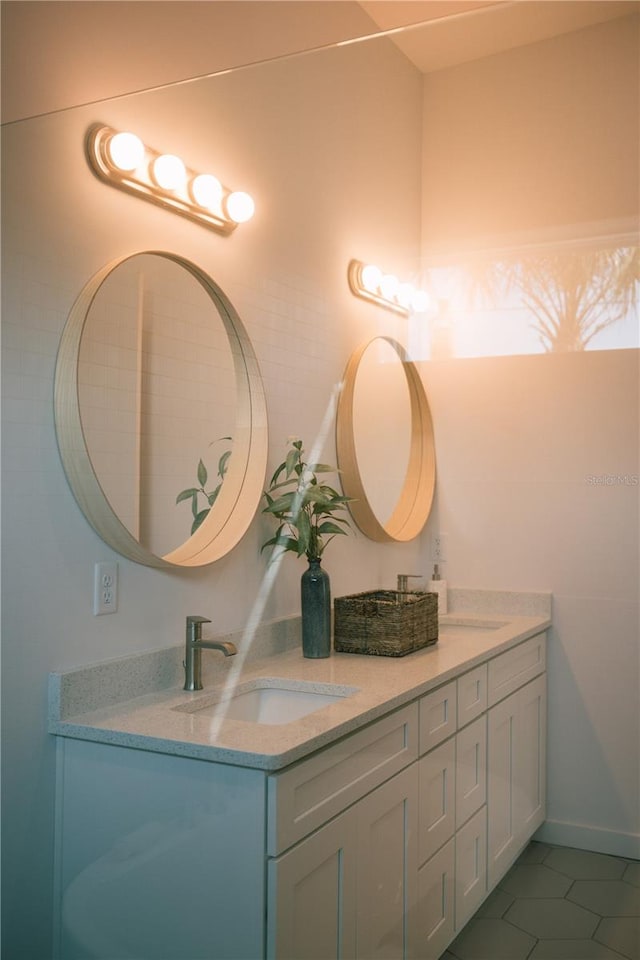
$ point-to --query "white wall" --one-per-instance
(317, 181)
(535, 145)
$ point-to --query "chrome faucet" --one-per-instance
(193, 652)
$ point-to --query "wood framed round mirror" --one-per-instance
(384, 442)
(157, 389)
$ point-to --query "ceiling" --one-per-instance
(57, 54)
(458, 31)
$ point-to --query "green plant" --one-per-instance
(304, 507)
(194, 493)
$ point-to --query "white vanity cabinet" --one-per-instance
(346, 889)
(516, 754)
(379, 846)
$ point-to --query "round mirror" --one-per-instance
(160, 412)
(384, 442)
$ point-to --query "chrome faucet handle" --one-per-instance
(194, 627)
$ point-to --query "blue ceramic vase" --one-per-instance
(315, 589)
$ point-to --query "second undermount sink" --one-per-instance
(270, 700)
(460, 624)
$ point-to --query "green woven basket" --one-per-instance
(385, 623)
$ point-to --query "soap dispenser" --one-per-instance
(439, 586)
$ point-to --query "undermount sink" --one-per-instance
(453, 624)
(270, 701)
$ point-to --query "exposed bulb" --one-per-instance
(420, 301)
(206, 190)
(406, 292)
(370, 277)
(126, 151)
(239, 206)
(169, 171)
(389, 286)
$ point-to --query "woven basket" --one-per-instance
(385, 623)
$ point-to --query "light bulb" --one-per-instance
(370, 277)
(169, 171)
(126, 151)
(420, 301)
(406, 292)
(240, 206)
(389, 286)
(207, 191)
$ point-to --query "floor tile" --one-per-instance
(583, 865)
(572, 950)
(496, 904)
(552, 919)
(632, 873)
(487, 939)
(535, 880)
(609, 898)
(621, 934)
(535, 852)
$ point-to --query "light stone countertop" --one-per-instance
(132, 702)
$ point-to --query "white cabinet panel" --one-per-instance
(307, 794)
(516, 774)
(516, 667)
(437, 798)
(436, 899)
(472, 695)
(471, 769)
(312, 895)
(437, 716)
(471, 867)
(387, 867)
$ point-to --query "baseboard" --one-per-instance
(585, 837)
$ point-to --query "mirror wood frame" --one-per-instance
(241, 491)
(413, 507)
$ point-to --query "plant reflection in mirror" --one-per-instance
(195, 493)
(304, 507)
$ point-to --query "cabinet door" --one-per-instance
(437, 798)
(436, 895)
(312, 895)
(471, 867)
(516, 773)
(502, 826)
(471, 769)
(532, 756)
(387, 868)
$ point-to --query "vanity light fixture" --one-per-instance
(124, 161)
(385, 289)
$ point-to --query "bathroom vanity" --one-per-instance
(373, 826)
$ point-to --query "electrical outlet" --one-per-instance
(439, 548)
(105, 587)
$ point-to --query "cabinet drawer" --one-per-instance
(472, 695)
(516, 667)
(306, 795)
(437, 716)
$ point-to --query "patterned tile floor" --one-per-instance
(557, 903)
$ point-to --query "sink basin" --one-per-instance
(270, 701)
(469, 625)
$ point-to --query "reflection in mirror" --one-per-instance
(156, 388)
(382, 426)
(384, 442)
(160, 412)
